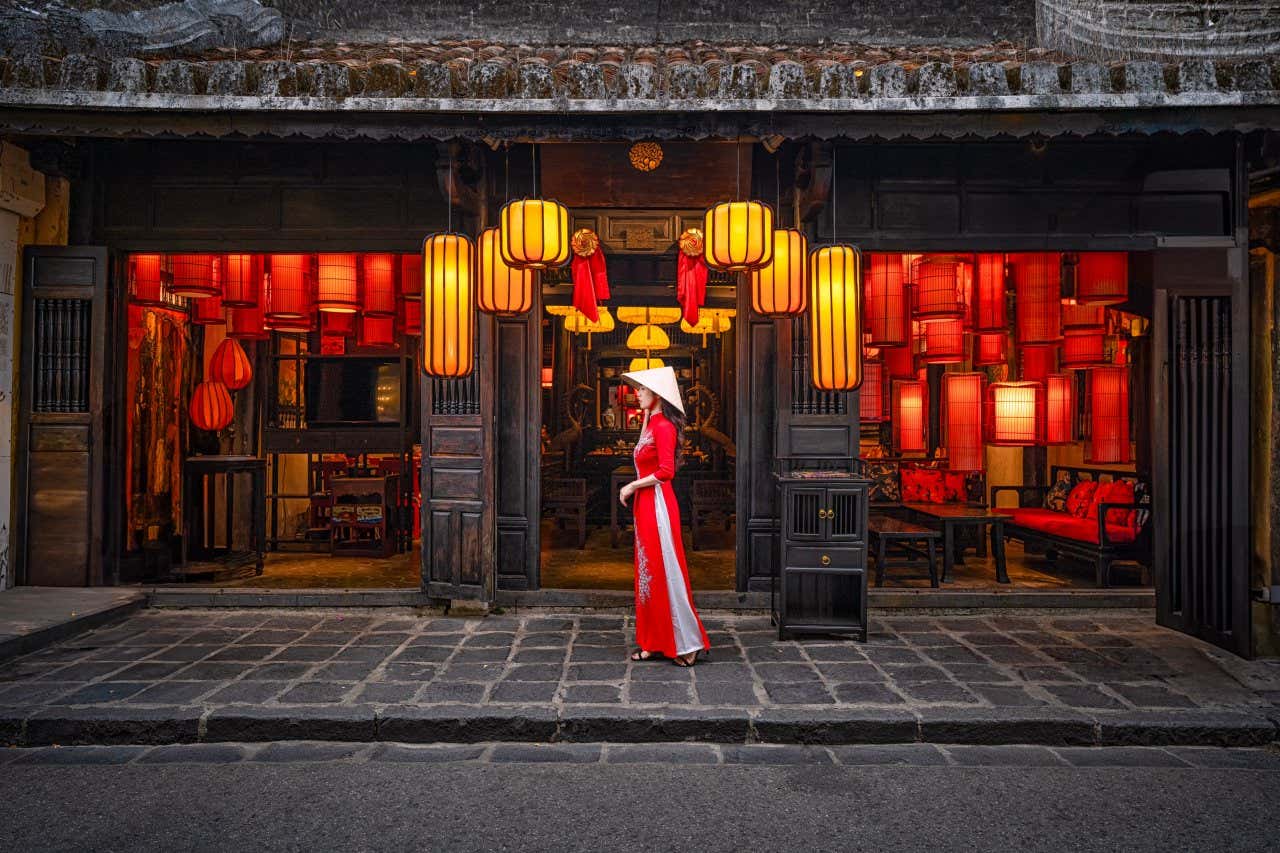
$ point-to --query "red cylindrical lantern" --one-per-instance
(336, 286)
(230, 365)
(1083, 349)
(1077, 316)
(944, 342)
(293, 325)
(241, 280)
(871, 394)
(909, 412)
(991, 308)
(1036, 362)
(411, 277)
(411, 317)
(1102, 278)
(208, 311)
(887, 305)
(195, 276)
(962, 421)
(990, 348)
(288, 287)
(377, 332)
(937, 291)
(547, 377)
(1108, 416)
(899, 362)
(1037, 282)
(1060, 408)
(378, 291)
(337, 325)
(145, 280)
(211, 406)
(1015, 414)
(249, 323)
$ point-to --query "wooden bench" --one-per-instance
(565, 499)
(710, 502)
(903, 544)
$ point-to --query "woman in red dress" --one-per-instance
(666, 622)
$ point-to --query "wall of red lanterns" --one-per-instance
(1042, 315)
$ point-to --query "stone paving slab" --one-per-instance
(1082, 678)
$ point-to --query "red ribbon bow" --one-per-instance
(691, 285)
(590, 283)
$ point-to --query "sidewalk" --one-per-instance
(31, 617)
(172, 676)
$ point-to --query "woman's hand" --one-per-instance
(625, 493)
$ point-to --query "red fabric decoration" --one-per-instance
(953, 483)
(211, 407)
(1080, 498)
(230, 365)
(691, 281)
(1120, 492)
(590, 276)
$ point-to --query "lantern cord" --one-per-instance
(833, 192)
(737, 171)
(449, 226)
(777, 186)
(506, 176)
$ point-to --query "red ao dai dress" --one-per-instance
(666, 620)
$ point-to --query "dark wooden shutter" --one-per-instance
(757, 492)
(517, 455)
(60, 442)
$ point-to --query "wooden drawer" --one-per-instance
(819, 557)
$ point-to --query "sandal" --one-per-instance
(684, 661)
(640, 655)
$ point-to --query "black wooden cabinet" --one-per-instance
(820, 585)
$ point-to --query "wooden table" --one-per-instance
(199, 516)
(621, 475)
(915, 542)
(949, 517)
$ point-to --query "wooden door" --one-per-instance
(517, 455)
(60, 456)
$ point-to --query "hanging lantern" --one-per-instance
(145, 282)
(448, 305)
(337, 325)
(646, 338)
(937, 291)
(208, 312)
(411, 317)
(241, 280)
(871, 394)
(535, 234)
(1060, 408)
(580, 324)
(911, 267)
(411, 277)
(944, 342)
(288, 290)
(378, 288)
(547, 377)
(1037, 362)
(377, 332)
(899, 362)
(1015, 414)
(194, 276)
(886, 303)
(990, 307)
(293, 325)
(230, 365)
(711, 321)
(965, 273)
(211, 406)
(835, 318)
(909, 409)
(962, 421)
(337, 290)
(869, 353)
(642, 363)
(738, 236)
(644, 315)
(249, 323)
(561, 310)
(990, 348)
(500, 289)
(1083, 349)
(1102, 278)
(1108, 416)
(781, 287)
(1037, 280)
(1083, 317)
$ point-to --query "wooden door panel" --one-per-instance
(517, 454)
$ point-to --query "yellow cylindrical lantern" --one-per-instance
(739, 236)
(448, 305)
(503, 289)
(535, 234)
(781, 289)
(835, 317)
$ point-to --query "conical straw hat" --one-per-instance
(659, 380)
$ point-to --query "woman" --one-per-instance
(666, 623)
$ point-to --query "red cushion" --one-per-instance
(954, 482)
(912, 491)
(1080, 498)
(1061, 524)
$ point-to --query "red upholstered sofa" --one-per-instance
(1088, 514)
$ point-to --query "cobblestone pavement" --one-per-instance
(363, 671)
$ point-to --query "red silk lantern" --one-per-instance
(288, 288)
(871, 394)
(1060, 408)
(195, 276)
(377, 332)
(938, 289)
(1035, 363)
(909, 407)
(337, 289)
(249, 323)
(241, 280)
(378, 292)
(1015, 414)
(990, 311)
(1037, 282)
(411, 317)
(211, 406)
(145, 280)
(230, 365)
(208, 312)
(1083, 349)
(990, 348)
(411, 277)
(1108, 416)
(1102, 278)
(899, 362)
(781, 287)
(962, 421)
(887, 307)
(1079, 317)
(944, 342)
(337, 325)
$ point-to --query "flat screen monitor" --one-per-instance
(353, 391)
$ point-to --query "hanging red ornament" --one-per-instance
(195, 276)
(230, 365)
(250, 323)
(944, 342)
(990, 348)
(1083, 349)
(909, 405)
(590, 275)
(1015, 414)
(337, 289)
(411, 283)
(1060, 408)
(888, 307)
(937, 290)
(377, 332)
(1102, 278)
(1037, 282)
(871, 394)
(241, 280)
(337, 325)
(1108, 416)
(990, 314)
(289, 287)
(145, 279)
(1036, 362)
(1080, 317)
(962, 421)
(411, 317)
(899, 362)
(378, 289)
(691, 273)
(208, 311)
(211, 406)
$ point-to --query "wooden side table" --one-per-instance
(364, 521)
(198, 522)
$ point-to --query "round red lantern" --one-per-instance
(145, 280)
(887, 305)
(195, 276)
(336, 287)
(899, 362)
(1037, 282)
(241, 281)
(288, 287)
(230, 365)
(1102, 278)
(378, 290)
(211, 406)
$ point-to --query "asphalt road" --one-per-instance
(466, 805)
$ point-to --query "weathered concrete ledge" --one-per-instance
(34, 617)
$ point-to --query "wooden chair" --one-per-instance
(710, 502)
(565, 499)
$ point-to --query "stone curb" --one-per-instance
(472, 724)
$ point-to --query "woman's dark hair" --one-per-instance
(674, 415)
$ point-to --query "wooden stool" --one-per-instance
(902, 544)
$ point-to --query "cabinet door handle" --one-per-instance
(826, 560)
